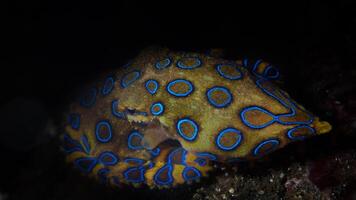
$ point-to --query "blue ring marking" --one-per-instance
(274, 142)
(245, 63)
(196, 172)
(151, 165)
(227, 76)
(140, 179)
(208, 155)
(276, 118)
(293, 113)
(191, 122)
(74, 120)
(126, 83)
(97, 131)
(311, 118)
(204, 157)
(275, 72)
(291, 131)
(86, 144)
(291, 106)
(170, 178)
(155, 152)
(170, 91)
(111, 155)
(197, 63)
(156, 86)
(78, 163)
(219, 88)
(88, 101)
(68, 140)
(108, 86)
(258, 83)
(232, 147)
(137, 161)
(116, 113)
(247, 123)
(131, 137)
(102, 174)
(160, 111)
(257, 63)
(172, 154)
(166, 63)
(201, 161)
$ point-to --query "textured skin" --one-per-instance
(123, 129)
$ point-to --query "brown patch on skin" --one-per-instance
(187, 129)
(190, 173)
(230, 70)
(136, 141)
(299, 116)
(156, 108)
(104, 131)
(229, 139)
(177, 157)
(189, 61)
(267, 148)
(302, 132)
(261, 67)
(180, 87)
(130, 76)
(134, 174)
(219, 97)
(256, 117)
(151, 86)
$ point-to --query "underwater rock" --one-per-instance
(332, 172)
(166, 117)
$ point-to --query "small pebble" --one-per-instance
(281, 175)
(231, 190)
(223, 196)
(261, 192)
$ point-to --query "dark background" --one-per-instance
(51, 47)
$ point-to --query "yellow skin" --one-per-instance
(258, 118)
